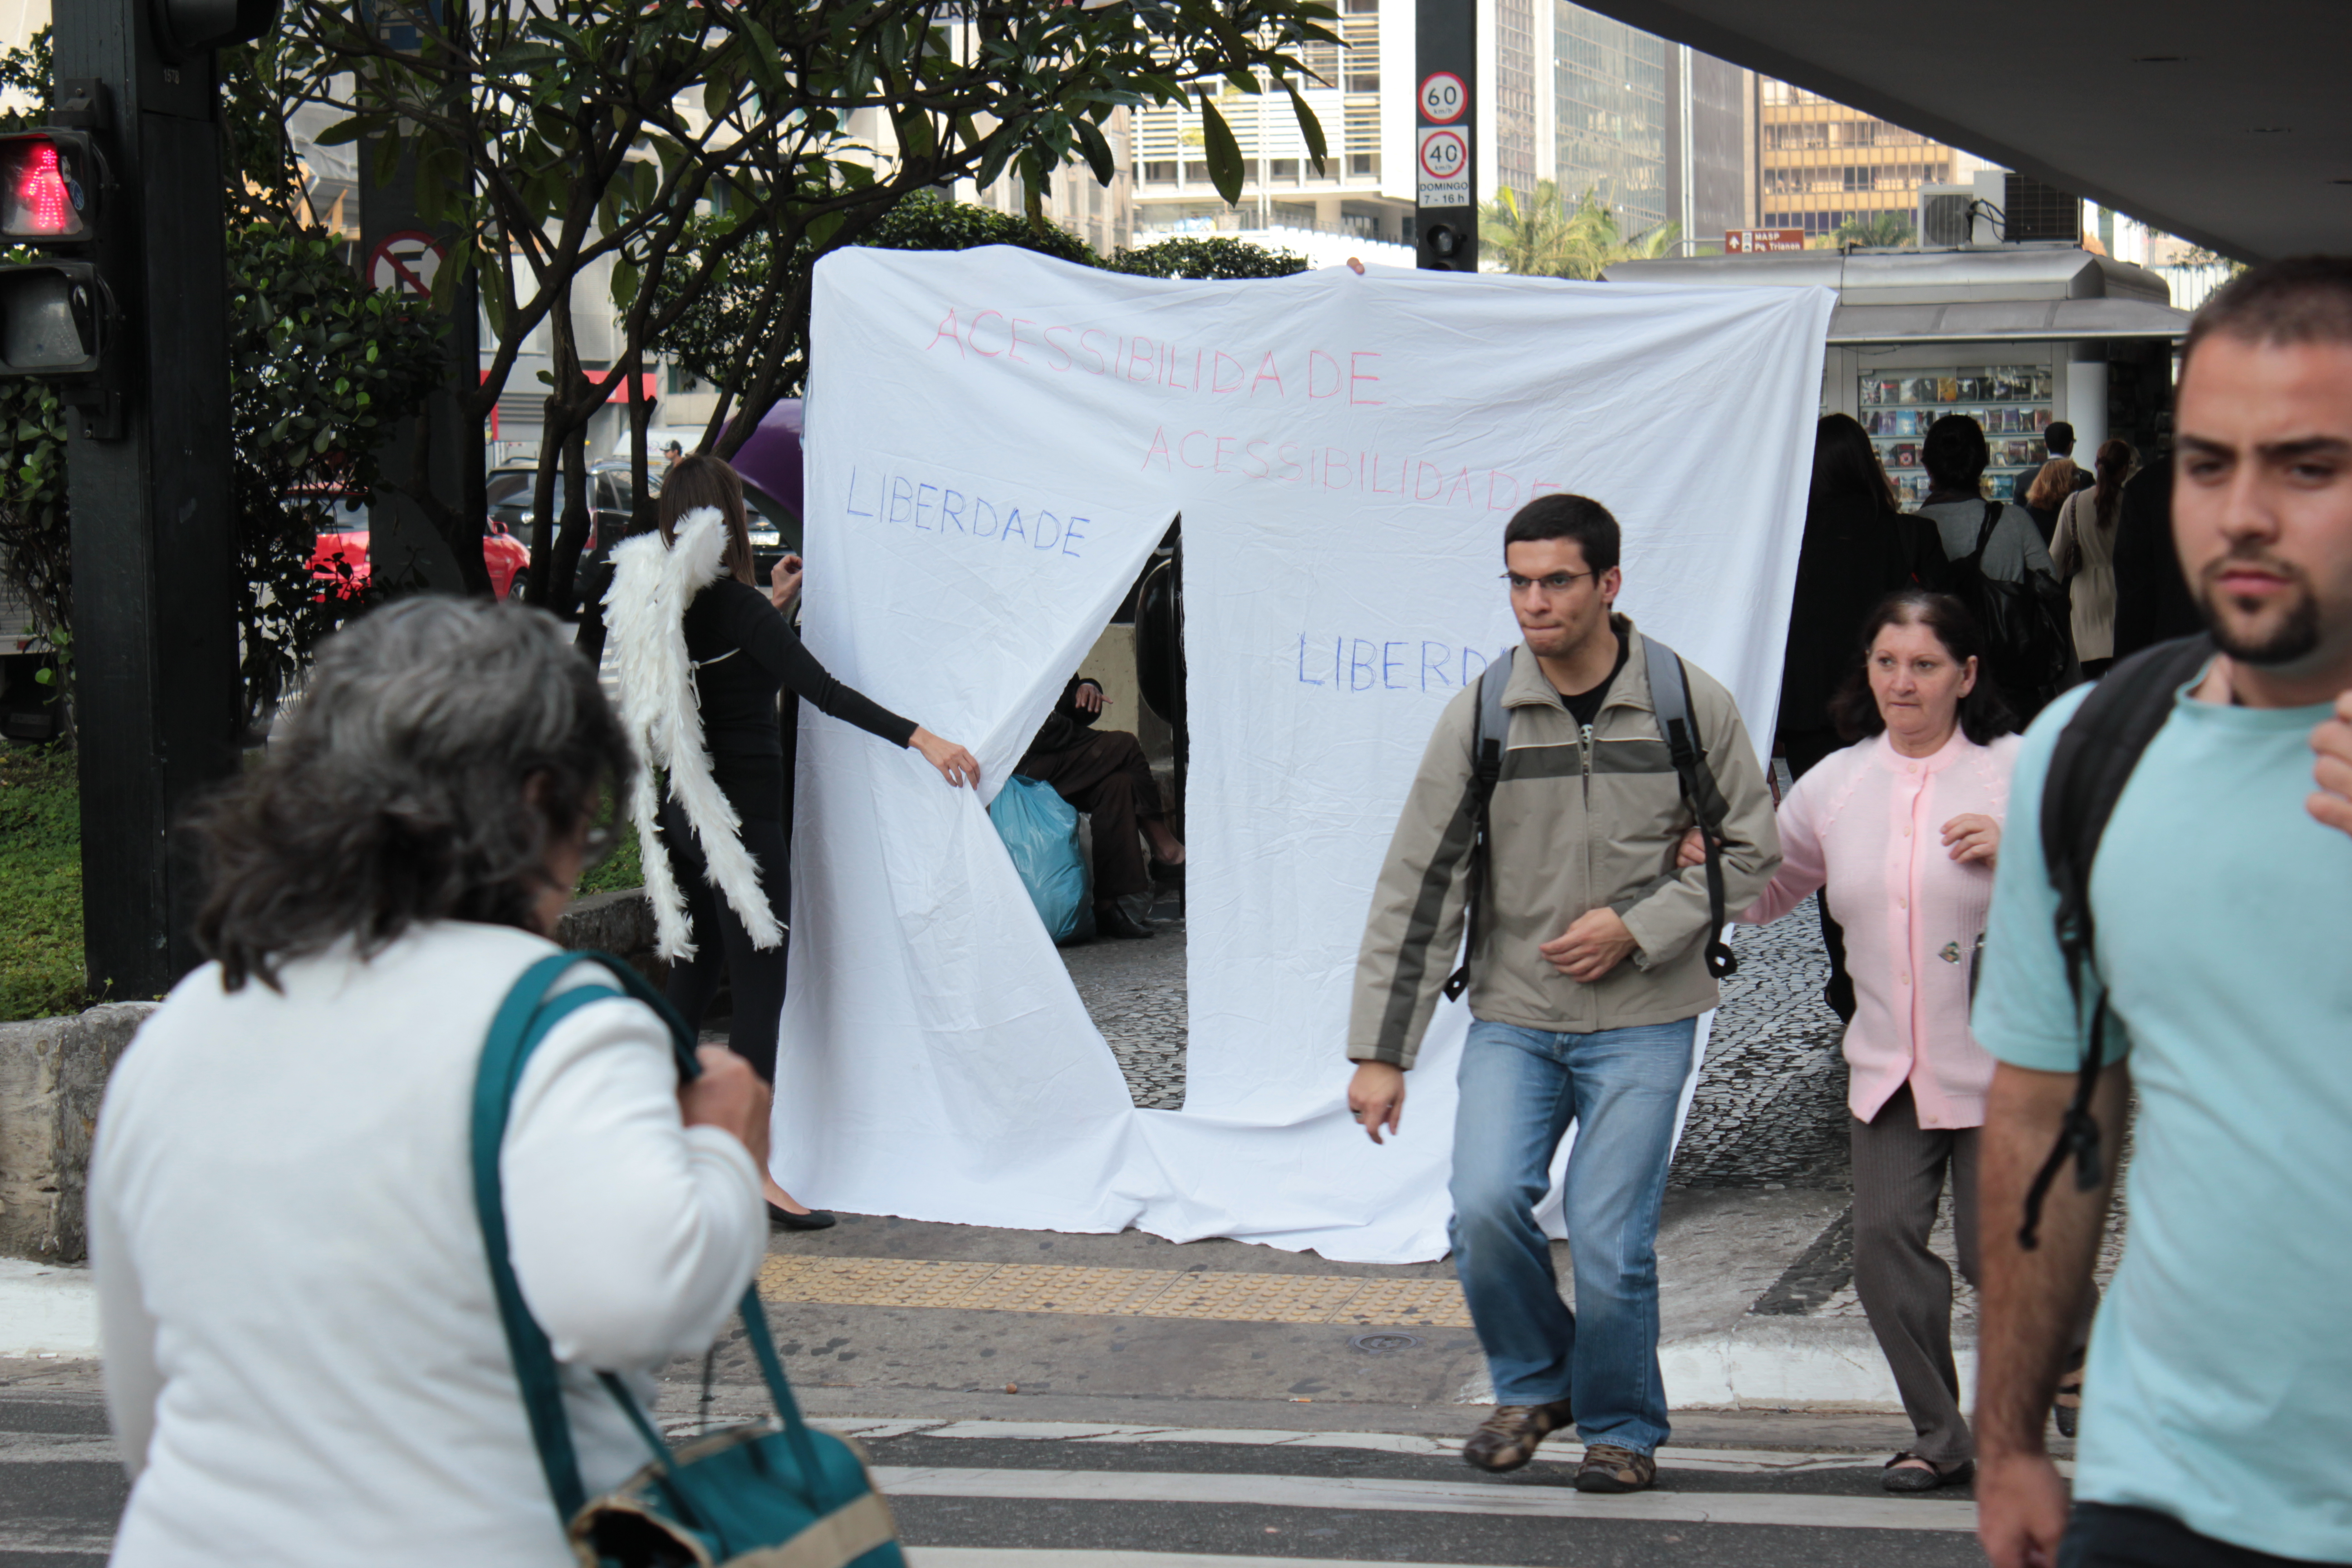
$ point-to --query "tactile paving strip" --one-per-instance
(1116, 1292)
(1402, 1303)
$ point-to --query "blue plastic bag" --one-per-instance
(1040, 829)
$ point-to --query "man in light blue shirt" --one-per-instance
(2216, 1422)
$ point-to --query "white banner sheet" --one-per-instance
(997, 442)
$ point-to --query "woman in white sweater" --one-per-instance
(304, 1361)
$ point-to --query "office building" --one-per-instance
(1825, 165)
(1658, 132)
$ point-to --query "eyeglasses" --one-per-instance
(1557, 582)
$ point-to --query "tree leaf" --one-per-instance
(352, 130)
(1224, 154)
(1311, 129)
(1098, 150)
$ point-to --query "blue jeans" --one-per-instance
(1520, 1090)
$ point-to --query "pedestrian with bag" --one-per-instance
(2084, 556)
(1859, 547)
(702, 655)
(2001, 569)
(1904, 828)
(2168, 944)
(304, 1354)
(1546, 815)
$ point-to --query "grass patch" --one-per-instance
(621, 868)
(40, 884)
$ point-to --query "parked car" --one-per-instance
(611, 498)
(339, 559)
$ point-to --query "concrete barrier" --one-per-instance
(53, 1074)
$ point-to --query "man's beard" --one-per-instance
(2293, 636)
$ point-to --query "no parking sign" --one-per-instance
(405, 263)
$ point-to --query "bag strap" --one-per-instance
(2089, 766)
(1487, 741)
(1670, 700)
(523, 1019)
(1984, 534)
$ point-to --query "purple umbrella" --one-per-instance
(771, 458)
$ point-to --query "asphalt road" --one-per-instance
(993, 1494)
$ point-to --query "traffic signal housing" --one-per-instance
(56, 314)
(58, 318)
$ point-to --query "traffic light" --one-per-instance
(55, 314)
(186, 28)
(1444, 243)
(58, 318)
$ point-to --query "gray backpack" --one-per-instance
(1670, 697)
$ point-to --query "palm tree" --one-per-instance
(1540, 238)
(1883, 230)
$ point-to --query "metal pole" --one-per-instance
(1688, 164)
(154, 542)
(1445, 143)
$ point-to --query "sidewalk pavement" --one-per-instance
(886, 1316)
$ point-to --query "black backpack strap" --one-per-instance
(1670, 699)
(1494, 730)
(2089, 766)
(1984, 534)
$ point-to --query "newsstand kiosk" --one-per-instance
(2016, 336)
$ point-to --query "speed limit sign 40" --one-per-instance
(1443, 175)
(1444, 98)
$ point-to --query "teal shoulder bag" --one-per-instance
(773, 1494)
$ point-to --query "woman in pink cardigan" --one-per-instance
(1899, 833)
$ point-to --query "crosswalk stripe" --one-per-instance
(1195, 1488)
(1031, 1557)
(1727, 1461)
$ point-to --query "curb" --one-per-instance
(1771, 1363)
(48, 1311)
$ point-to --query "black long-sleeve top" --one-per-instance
(744, 650)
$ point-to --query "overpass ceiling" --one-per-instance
(2228, 125)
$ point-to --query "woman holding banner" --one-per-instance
(702, 655)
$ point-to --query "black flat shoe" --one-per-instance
(1899, 1477)
(785, 1220)
(1112, 921)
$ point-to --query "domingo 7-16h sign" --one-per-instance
(1443, 175)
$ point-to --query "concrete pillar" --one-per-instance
(2087, 406)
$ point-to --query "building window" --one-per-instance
(677, 380)
(1196, 170)
(1366, 166)
(1363, 7)
(1363, 78)
(1283, 169)
(1161, 174)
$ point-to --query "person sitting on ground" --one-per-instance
(304, 1356)
(1103, 773)
(1904, 828)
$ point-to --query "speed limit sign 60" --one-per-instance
(1443, 98)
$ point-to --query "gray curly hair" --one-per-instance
(444, 745)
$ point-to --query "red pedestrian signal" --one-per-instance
(49, 186)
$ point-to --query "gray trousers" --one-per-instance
(1898, 1175)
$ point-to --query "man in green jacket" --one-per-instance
(1588, 974)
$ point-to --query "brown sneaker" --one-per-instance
(1507, 1438)
(1610, 1469)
